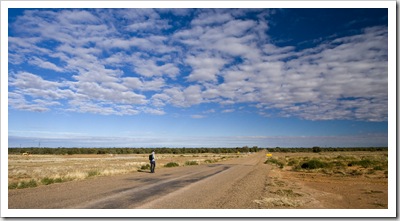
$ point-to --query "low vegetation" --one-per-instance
(117, 150)
(190, 163)
(350, 164)
(171, 164)
(25, 171)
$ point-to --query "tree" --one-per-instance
(316, 149)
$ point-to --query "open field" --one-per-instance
(344, 180)
(34, 170)
(340, 180)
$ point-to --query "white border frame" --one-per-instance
(392, 152)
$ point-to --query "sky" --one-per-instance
(287, 77)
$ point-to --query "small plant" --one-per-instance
(210, 161)
(93, 173)
(171, 164)
(287, 193)
(316, 149)
(378, 168)
(314, 164)
(145, 167)
(13, 185)
(275, 161)
(47, 181)
(293, 162)
(58, 180)
(190, 163)
(29, 184)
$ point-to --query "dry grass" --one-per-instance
(334, 163)
(44, 169)
(338, 180)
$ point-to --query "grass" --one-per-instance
(51, 169)
(145, 167)
(314, 164)
(344, 164)
(171, 164)
(93, 173)
(275, 161)
(191, 163)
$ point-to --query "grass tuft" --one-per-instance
(314, 164)
(275, 161)
(29, 184)
(190, 163)
(171, 164)
(93, 173)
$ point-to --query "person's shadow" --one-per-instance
(144, 171)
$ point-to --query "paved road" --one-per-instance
(231, 184)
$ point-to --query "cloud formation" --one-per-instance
(132, 61)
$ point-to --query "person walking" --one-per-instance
(152, 159)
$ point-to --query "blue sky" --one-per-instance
(197, 77)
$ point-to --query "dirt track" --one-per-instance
(233, 184)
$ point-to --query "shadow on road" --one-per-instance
(144, 171)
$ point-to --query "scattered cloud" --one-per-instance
(197, 116)
(131, 61)
(228, 110)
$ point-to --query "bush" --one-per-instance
(378, 168)
(171, 164)
(58, 180)
(13, 185)
(23, 184)
(316, 149)
(145, 167)
(275, 161)
(364, 163)
(190, 163)
(93, 173)
(314, 164)
(292, 162)
(47, 181)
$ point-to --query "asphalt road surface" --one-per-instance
(231, 184)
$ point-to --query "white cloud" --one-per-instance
(228, 110)
(212, 17)
(197, 116)
(205, 67)
(150, 68)
(135, 65)
(45, 64)
(25, 80)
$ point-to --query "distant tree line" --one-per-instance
(317, 149)
(127, 150)
(183, 150)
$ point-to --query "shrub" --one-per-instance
(171, 164)
(378, 168)
(316, 149)
(275, 161)
(13, 185)
(292, 162)
(189, 163)
(47, 181)
(58, 180)
(314, 164)
(23, 184)
(145, 167)
(364, 163)
(93, 173)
